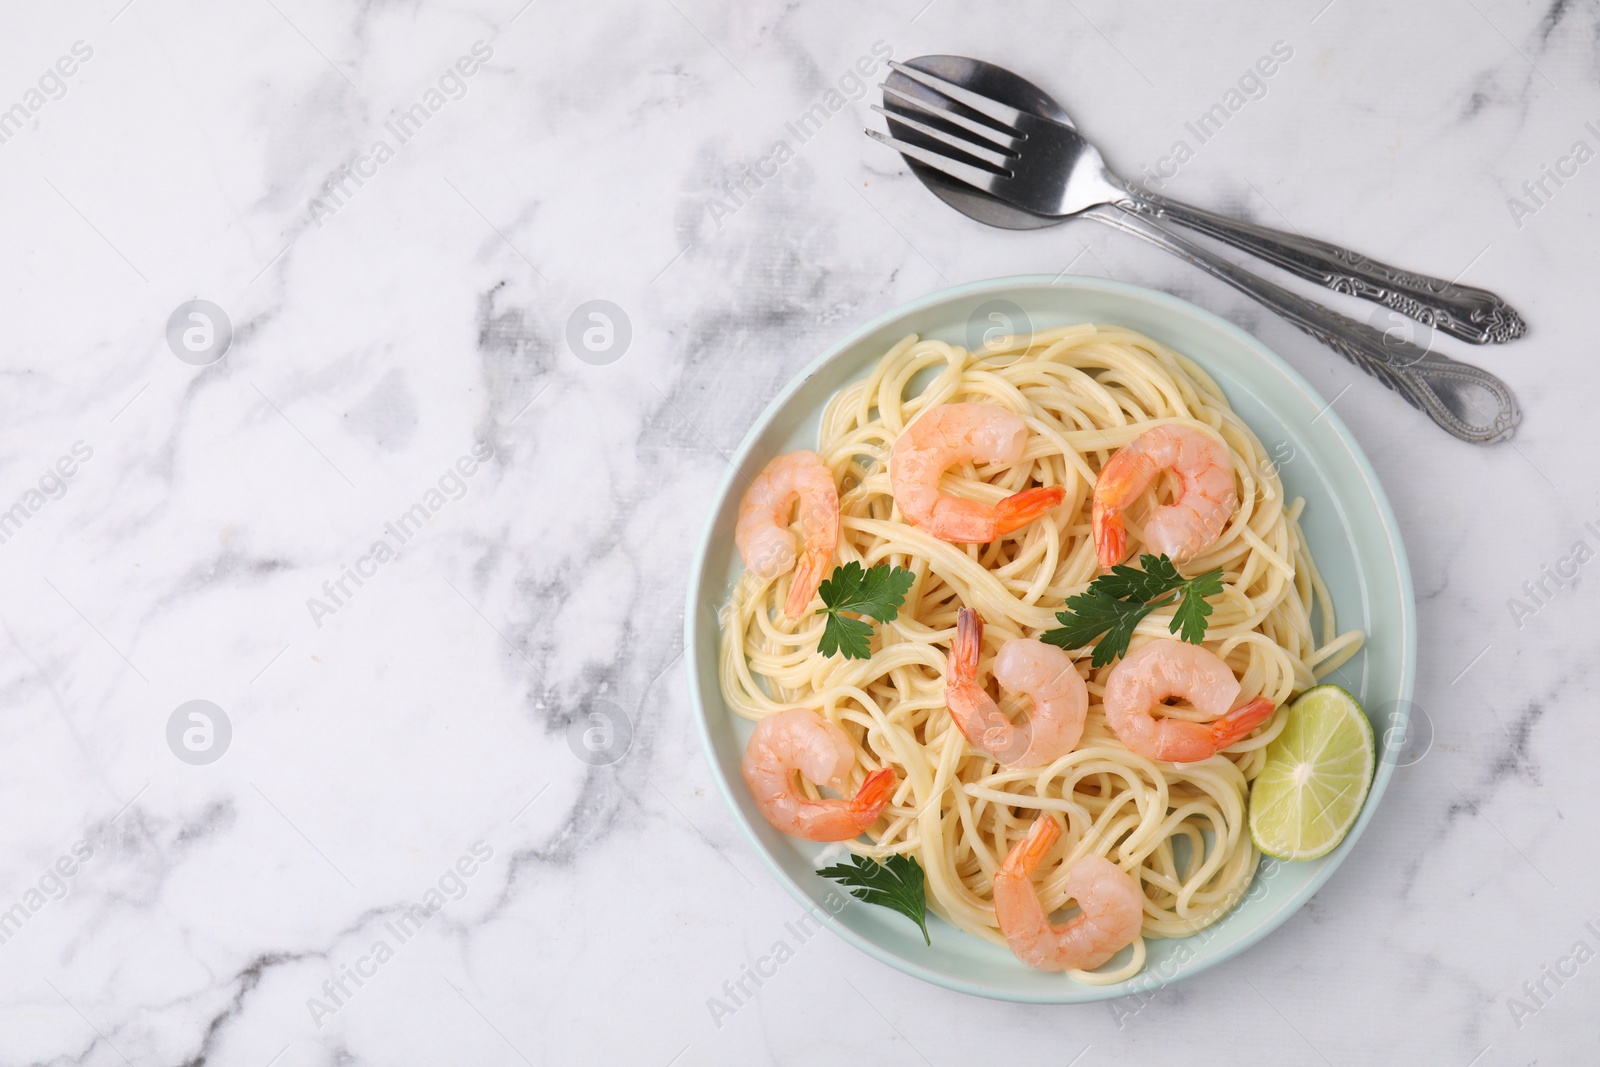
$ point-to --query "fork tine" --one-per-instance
(1002, 113)
(976, 177)
(988, 133)
(982, 153)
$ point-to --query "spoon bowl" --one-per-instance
(994, 82)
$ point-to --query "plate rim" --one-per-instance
(1147, 981)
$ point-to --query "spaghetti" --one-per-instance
(1084, 391)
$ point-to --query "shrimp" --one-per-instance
(762, 533)
(1162, 669)
(1112, 906)
(799, 739)
(1189, 524)
(963, 433)
(1024, 665)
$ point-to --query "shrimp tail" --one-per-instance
(1238, 723)
(961, 672)
(803, 584)
(1110, 536)
(873, 797)
(1026, 855)
(1019, 509)
(968, 645)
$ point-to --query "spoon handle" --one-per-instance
(1463, 311)
(1453, 394)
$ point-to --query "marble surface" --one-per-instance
(419, 845)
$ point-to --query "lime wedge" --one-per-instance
(1316, 778)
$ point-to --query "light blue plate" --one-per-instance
(1347, 520)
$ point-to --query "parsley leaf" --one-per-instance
(1092, 613)
(1193, 610)
(1126, 583)
(850, 636)
(895, 884)
(1115, 602)
(876, 593)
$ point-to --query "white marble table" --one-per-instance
(399, 374)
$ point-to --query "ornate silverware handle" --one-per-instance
(1463, 311)
(1467, 401)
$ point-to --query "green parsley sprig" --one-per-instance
(876, 593)
(895, 884)
(1115, 602)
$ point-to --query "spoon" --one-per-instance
(1454, 394)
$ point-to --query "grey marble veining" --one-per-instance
(462, 815)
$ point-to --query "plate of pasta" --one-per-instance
(1003, 614)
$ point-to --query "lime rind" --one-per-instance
(1316, 778)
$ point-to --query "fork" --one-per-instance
(1049, 168)
(1448, 391)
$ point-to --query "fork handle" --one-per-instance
(1447, 390)
(1463, 311)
